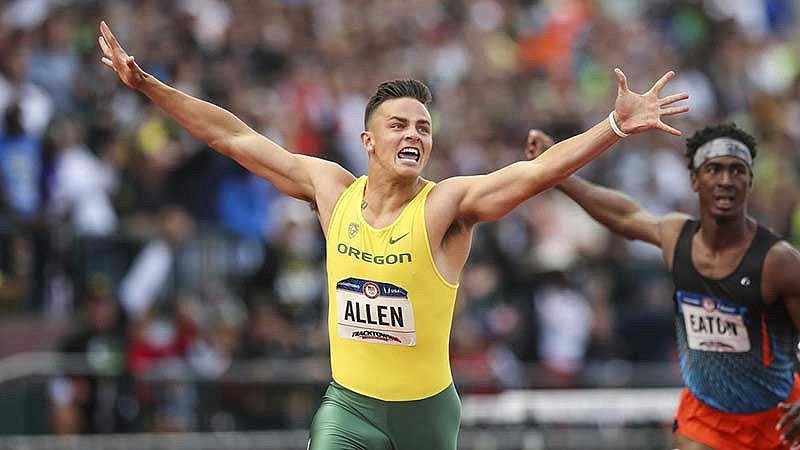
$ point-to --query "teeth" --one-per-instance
(408, 153)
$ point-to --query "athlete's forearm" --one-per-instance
(228, 135)
(564, 158)
(490, 197)
(611, 208)
(205, 121)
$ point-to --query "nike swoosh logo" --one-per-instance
(394, 241)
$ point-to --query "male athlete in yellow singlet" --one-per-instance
(396, 244)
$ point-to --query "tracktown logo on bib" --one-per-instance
(376, 335)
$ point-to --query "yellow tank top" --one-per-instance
(390, 310)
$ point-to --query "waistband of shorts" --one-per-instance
(361, 398)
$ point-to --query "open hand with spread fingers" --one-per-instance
(115, 57)
(635, 113)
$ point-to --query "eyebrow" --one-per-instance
(404, 120)
(735, 164)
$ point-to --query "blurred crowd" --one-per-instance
(162, 255)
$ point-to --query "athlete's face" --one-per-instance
(723, 186)
(398, 137)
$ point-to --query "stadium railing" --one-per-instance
(569, 419)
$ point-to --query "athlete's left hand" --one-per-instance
(789, 425)
(635, 113)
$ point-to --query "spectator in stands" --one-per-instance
(99, 399)
(83, 183)
(20, 167)
(152, 274)
(36, 106)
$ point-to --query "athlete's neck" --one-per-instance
(718, 234)
(384, 199)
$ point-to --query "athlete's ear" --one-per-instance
(693, 177)
(368, 140)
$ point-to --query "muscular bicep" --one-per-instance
(315, 180)
(484, 198)
(270, 161)
(661, 231)
(640, 225)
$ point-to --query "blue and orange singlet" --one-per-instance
(736, 351)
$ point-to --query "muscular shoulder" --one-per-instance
(441, 210)
(784, 257)
(781, 275)
(330, 181)
(671, 224)
(445, 196)
(669, 229)
(327, 173)
(450, 188)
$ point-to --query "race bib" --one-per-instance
(372, 311)
(712, 325)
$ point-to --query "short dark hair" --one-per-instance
(710, 133)
(392, 89)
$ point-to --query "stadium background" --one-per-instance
(150, 287)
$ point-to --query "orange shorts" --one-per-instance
(724, 431)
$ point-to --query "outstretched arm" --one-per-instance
(490, 197)
(299, 176)
(613, 209)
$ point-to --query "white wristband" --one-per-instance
(614, 126)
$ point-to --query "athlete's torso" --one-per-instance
(736, 351)
(390, 310)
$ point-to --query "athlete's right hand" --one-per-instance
(115, 57)
(789, 425)
(538, 141)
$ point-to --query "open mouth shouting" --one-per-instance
(409, 155)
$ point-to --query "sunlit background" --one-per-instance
(154, 290)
